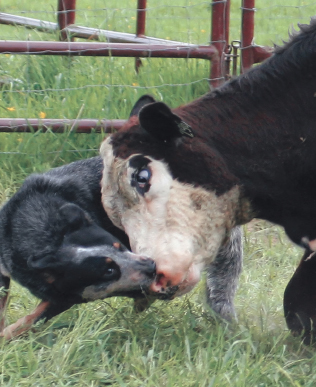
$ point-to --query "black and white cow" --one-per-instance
(178, 181)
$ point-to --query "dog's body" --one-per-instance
(57, 241)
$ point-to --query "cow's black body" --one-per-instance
(263, 125)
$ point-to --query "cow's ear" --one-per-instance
(158, 120)
(144, 100)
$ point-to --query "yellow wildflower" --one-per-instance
(20, 139)
(135, 84)
(11, 109)
(133, 18)
(203, 31)
(42, 115)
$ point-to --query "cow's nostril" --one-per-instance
(164, 280)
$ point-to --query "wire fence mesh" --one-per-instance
(25, 78)
(103, 88)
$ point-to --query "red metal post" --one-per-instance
(220, 39)
(140, 26)
(227, 19)
(250, 52)
(65, 17)
(247, 34)
(141, 18)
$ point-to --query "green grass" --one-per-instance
(178, 343)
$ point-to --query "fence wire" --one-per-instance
(107, 87)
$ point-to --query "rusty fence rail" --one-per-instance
(105, 49)
(118, 44)
(18, 125)
(84, 32)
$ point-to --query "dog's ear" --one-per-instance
(144, 100)
(72, 217)
(45, 262)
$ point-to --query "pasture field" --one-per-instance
(178, 343)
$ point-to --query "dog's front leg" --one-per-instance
(223, 275)
(44, 311)
(25, 323)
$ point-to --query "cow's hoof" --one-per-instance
(302, 326)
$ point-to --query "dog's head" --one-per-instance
(91, 264)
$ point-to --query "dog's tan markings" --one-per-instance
(49, 278)
(117, 245)
(24, 323)
(108, 260)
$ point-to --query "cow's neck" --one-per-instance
(266, 132)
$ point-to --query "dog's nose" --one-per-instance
(148, 266)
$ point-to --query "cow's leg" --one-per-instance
(300, 299)
(44, 311)
(223, 275)
(4, 294)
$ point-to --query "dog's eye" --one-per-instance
(110, 272)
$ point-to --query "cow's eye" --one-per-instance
(141, 179)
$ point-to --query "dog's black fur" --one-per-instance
(57, 241)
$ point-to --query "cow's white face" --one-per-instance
(180, 226)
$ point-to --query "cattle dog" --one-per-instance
(58, 242)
